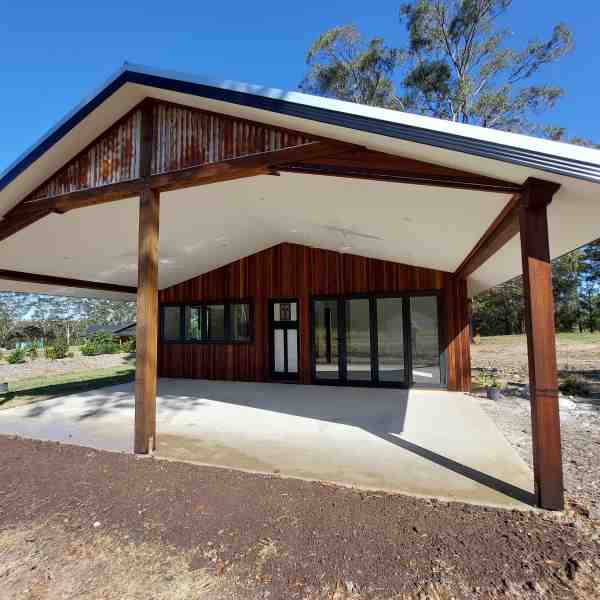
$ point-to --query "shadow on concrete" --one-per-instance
(380, 412)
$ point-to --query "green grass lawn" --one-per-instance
(35, 389)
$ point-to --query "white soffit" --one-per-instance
(209, 226)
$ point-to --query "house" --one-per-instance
(123, 331)
(302, 239)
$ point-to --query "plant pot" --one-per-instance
(494, 393)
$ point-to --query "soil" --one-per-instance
(81, 523)
(580, 433)
(507, 357)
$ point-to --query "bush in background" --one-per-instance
(575, 385)
(50, 352)
(129, 346)
(16, 356)
(100, 343)
(61, 349)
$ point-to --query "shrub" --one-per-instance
(89, 349)
(575, 385)
(129, 345)
(61, 348)
(17, 356)
(50, 352)
(32, 352)
(100, 343)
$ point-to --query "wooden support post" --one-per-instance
(147, 296)
(541, 344)
(147, 324)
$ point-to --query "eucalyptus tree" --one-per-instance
(341, 64)
(463, 68)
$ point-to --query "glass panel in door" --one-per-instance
(326, 339)
(390, 340)
(358, 340)
(425, 340)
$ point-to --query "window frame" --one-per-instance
(202, 305)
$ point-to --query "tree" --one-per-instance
(590, 284)
(499, 311)
(343, 65)
(565, 284)
(463, 70)
(458, 65)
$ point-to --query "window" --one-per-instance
(215, 322)
(240, 322)
(171, 323)
(193, 323)
(202, 323)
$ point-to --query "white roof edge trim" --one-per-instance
(384, 114)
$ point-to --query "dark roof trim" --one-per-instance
(524, 157)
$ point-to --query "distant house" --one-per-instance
(124, 331)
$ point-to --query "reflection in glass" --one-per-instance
(292, 350)
(358, 340)
(390, 340)
(279, 350)
(215, 321)
(193, 323)
(326, 339)
(240, 322)
(425, 341)
(172, 323)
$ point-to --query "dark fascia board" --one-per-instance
(529, 158)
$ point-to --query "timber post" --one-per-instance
(147, 297)
(541, 343)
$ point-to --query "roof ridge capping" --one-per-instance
(546, 155)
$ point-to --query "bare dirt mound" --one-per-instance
(85, 524)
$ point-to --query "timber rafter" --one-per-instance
(219, 149)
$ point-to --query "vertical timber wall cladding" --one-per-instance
(294, 271)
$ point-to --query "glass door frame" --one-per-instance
(406, 333)
(285, 325)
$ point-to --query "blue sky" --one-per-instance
(55, 53)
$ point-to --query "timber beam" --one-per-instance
(236, 168)
(504, 228)
(462, 182)
(65, 282)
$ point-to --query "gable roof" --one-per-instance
(546, 155)
(443, 225)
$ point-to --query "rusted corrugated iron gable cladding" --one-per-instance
(183, 137)
(186, 137)
(112, 158)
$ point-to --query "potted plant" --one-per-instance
(490, 382)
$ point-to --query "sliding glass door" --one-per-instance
(358, 339)
(326, 343)
(376, 340)
(390, 340)
(425, 352)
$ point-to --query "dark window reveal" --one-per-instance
(198, 323)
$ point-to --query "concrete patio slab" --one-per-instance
(420, 442)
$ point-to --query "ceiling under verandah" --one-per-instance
(206, 227)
